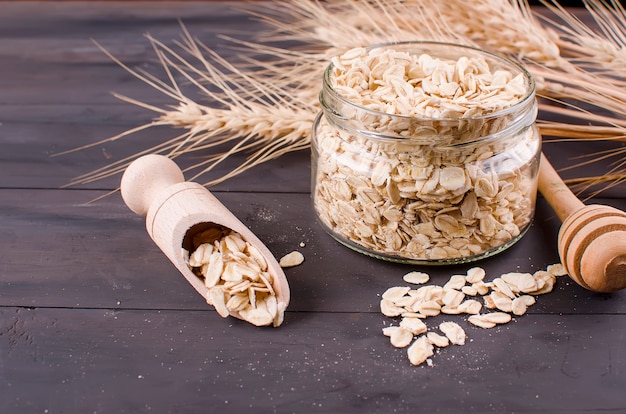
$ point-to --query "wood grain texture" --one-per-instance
(109, 361)
(93, 317)
(99, 256)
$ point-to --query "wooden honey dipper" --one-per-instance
(591, 240)
(153, 186)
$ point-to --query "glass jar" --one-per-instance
(445, 185)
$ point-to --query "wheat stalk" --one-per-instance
(250, 114)
(264, 106)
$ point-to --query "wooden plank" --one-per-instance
(52, 56)
(57, 252)
(33, 134)
(28, 148)
(91, 360)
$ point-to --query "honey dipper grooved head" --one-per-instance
(592, 246)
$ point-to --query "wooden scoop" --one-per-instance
(153, 186)
(592, 239)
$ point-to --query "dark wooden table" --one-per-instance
(94, 319)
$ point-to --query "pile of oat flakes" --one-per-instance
(236, 276)
(419, 85)
(487, 305)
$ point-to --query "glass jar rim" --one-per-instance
(521, 103)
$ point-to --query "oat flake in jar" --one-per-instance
(425, 152)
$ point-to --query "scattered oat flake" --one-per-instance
(497, 317)
(454, 332)
(388, 308)
(557, 269)
(470, 306)
(475, 274)
(439, 341)
(400, 337)
(528, 299)
(456, 282)
(292, 259)
(503, 287)
(501, 301)
(396, 292)
(478, 320)
(420, 351)
(414, 325)
(519, 307)
(416, 278)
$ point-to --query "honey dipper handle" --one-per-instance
(145, 178)
(592, 239)
(556, 192)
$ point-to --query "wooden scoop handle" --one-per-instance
(145, 179)
(592, 239)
